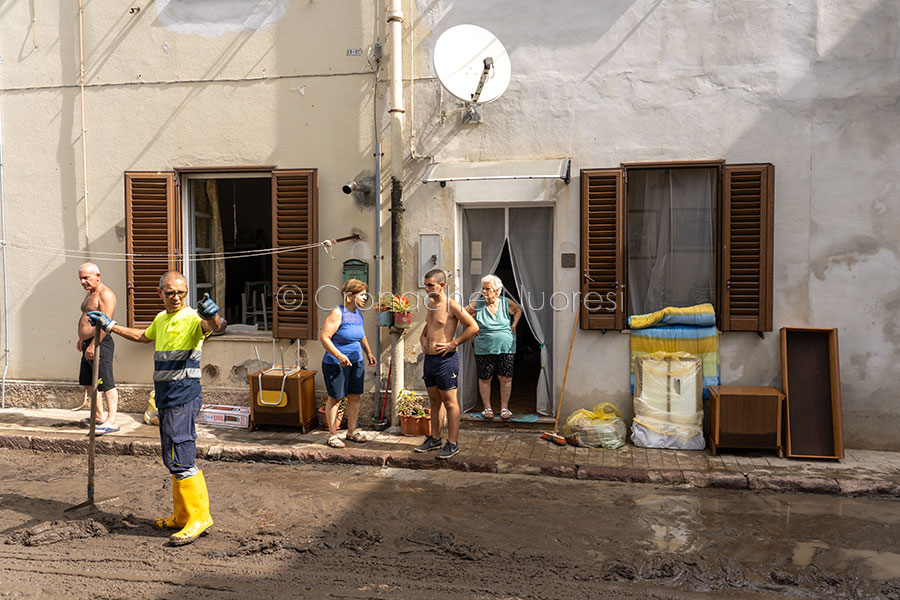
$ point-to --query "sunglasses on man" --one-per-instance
(173, 293)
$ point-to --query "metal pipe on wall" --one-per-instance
(5, 289)
(375, 406)
(84, 168)
(395, 32)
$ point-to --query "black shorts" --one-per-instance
(489, 365)
(105, 380)
(441, 371)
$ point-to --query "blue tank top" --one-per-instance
(347, 337)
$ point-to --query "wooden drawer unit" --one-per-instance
(744, 416)
(296, 406)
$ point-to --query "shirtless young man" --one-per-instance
(442, 362)
(100, 298)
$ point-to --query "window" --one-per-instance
(277, 209)
(231, 213)
(676, 234)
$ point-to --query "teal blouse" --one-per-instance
(495, 334)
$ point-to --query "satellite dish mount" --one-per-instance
(472, 114)
(473, 65)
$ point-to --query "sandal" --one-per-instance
(357, 437)
(505, 414)
(487, 414)
(335, 442)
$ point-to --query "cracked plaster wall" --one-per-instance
(812, 87)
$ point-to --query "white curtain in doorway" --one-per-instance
(530, 238)
(530, 247)
(484, 235)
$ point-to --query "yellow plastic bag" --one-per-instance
(600, 427)
(151, 415)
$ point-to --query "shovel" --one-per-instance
(90, 503)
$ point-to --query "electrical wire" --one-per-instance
(157, 257)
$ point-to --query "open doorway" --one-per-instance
(528, 351)
(232, 215)
(516, 244)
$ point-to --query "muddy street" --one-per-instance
(330, 531)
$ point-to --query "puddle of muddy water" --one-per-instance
(883, 565)
(804, 552)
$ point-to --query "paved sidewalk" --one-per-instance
(492, 451)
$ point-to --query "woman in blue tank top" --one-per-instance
(343, 366)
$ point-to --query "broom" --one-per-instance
(554, 436)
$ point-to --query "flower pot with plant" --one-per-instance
(341, 421)
(402, 314)
(415, 417)
(384, 316)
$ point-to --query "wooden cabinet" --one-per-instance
(810, 375)
(295, 406)
(744, 416)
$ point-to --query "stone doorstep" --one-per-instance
(310, 453)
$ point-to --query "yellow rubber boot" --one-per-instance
(196, 503)
(179, 514)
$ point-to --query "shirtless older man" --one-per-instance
(442, 362)
(100, 298)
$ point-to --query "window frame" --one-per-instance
(159, 193)
(601, 246)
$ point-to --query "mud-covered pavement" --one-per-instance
(320, 531)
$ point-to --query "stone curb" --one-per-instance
(314, 454)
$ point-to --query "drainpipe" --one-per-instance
(395, 33)
(376, 407)
(5, 291)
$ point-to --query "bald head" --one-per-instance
(88, 268)
(89, 277)
(172, 277)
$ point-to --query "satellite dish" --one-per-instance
(472, 64)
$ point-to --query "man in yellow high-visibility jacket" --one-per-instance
(179, 332)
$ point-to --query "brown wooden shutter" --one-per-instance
(602, 249)
(747, 236)
(152, 240)
(295, 223)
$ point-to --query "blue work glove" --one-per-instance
(206, 308)
(98, 318)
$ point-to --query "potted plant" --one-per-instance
(402, 315)
(415, 417)
(340, 415)
(384, 316)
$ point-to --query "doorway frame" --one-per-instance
(458, 221)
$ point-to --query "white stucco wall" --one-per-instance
(811, 87)
(213, 84)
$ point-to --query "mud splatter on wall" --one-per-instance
(217, 17)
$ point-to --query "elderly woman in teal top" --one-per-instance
(495, 344)
(343, 365)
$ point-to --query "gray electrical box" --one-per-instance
(429, 254)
